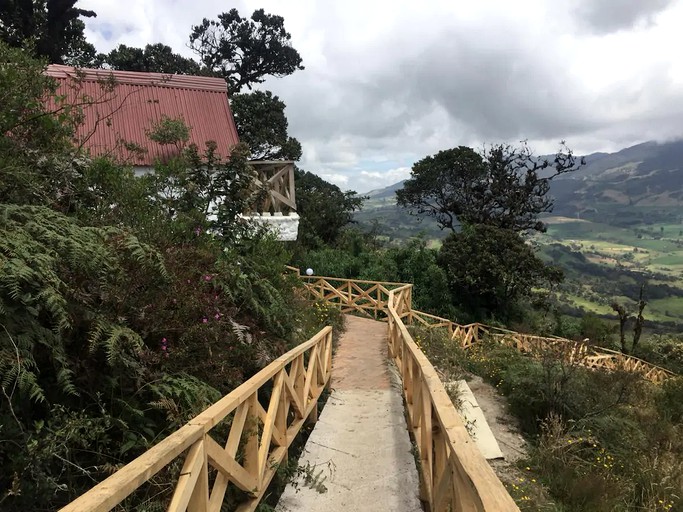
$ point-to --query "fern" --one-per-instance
(58, 279)
(241, 332)
(182, 396)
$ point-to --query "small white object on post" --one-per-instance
(309, 271)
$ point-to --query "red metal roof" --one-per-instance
(126, 112)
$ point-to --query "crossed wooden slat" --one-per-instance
(263, 434)
(279, 186)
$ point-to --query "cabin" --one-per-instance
(123, 106)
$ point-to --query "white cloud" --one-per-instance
(387, 83)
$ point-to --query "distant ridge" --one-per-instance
(621, 188)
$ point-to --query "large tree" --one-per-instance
(490, 269)
(503, 186)
(154, 58)
(245, 51)
(262, 125)
(53, 27)
(324, 209)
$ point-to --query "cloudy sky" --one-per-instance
(388, 82)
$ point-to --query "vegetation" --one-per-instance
(54, 28)
(245, 51)
(501, 187)
(599, 441)
(262, 125)
(124, 309)
(127, 304)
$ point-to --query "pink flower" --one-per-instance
(217, 316)
(207, 278)
(204, 320)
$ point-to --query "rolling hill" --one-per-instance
(617, 223)
(642, 184)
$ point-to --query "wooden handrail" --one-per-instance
(371, 298)
(454, 473)
(298, 378)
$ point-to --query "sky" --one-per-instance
(389, 82)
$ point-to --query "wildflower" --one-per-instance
(207, 278)
(217, 316)
(204, 320)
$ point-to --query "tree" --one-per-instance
(35, 149)
(154, 58)
(53, 27)
(624, 317)
(262, 125)
(245, 51)
(502, 186)
(324, 209)
(489, 269)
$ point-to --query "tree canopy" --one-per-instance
(262, 125)
(53, 27)
(502, 186)
(245, 51)
(153, 58)
(489, 269)
(324, 209)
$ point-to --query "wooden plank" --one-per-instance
(112, 491)
(189, 474)
(228, 467)
(269, 424)
(199, 501)
(294, 396)
(220, 485)
(251, 445)
(309, 374)
(218, 411)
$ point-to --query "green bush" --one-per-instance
(600, 440)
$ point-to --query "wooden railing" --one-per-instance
(371, 298)
(367, 297)
(582, 353)
(262, 436)
(274, 187)
(454, 474)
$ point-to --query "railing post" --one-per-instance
(251, 445)
(199, 501)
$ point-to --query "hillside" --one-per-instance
(617, 222)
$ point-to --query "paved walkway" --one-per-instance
(360, 445)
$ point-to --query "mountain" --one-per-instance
(639, 185)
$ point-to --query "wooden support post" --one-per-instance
(199, 501)
(251, 429)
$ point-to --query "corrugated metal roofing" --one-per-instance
(126, 112)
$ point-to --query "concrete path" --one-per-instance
(360, 445)
(478, 427)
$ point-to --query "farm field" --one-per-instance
(606, 264)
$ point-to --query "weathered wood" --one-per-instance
(275, 182)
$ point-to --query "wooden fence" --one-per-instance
(274, 187)
(262, 435)
(355, 295)
(454, 475)
(371, 298)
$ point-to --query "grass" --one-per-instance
(644, 250)
(599, 441)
